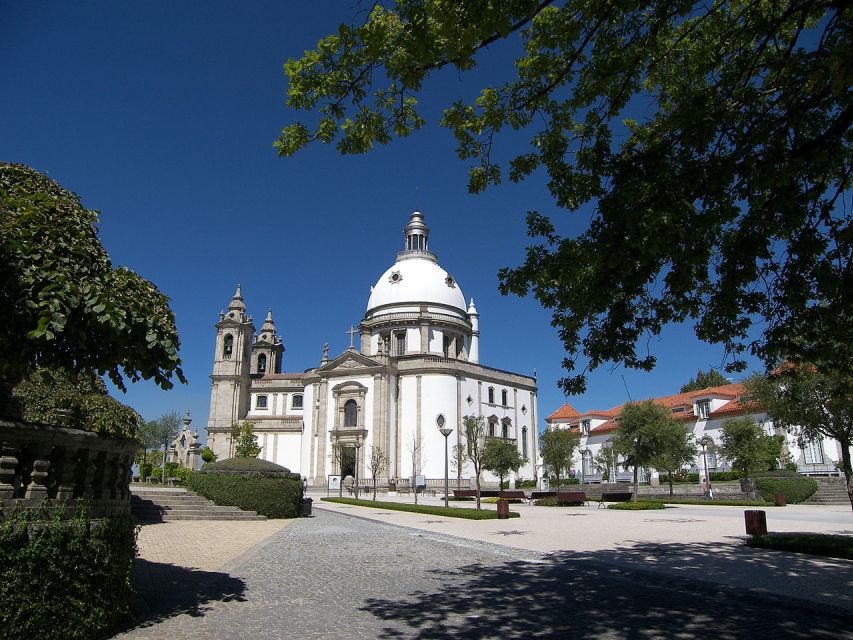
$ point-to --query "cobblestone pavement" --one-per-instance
(336, 576)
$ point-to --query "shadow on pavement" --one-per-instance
(166, 590)
(613, 594)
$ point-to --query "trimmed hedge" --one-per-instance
(450, 512)
(641, 505)
(693, 478)
(796, 488)
(65, 579)
(250, 484)
(821, 544)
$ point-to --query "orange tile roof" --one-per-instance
(567, 411)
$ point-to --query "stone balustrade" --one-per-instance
(60, 465)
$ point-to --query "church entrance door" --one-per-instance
(347, 462)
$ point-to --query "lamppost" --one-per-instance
(357, 447)
(705, 442)
(445, 431)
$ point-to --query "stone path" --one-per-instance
(337, 576)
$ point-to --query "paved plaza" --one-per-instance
(355, 572)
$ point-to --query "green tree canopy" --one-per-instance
(244, 439)
(639, 436)
(674, 449)
(745, 445)
(501, 457)
(717, 201)
(58, 397)
(705, 379)
(811, 403)
(557, 446)
(62, 303)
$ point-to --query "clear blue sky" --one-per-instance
(162, 116)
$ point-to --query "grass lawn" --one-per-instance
(451, 512)
(819, 544)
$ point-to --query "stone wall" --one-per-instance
(41, 464)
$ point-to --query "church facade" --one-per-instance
(415, 356)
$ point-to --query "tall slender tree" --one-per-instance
(474, 429)
(557, 447)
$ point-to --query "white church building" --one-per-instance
(415, 356)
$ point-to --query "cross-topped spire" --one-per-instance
(352, 331)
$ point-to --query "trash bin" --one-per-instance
(779, 500)
(503, 509)
(756, 522)
(306, 507)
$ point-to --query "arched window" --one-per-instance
(505, 430)
(262, 363)
(296, 402)
(228, 347)
(524, 441)
(491, 428)
(491, 395)
(503, 397)
(351, 413)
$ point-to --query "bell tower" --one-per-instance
(267, 350)
(229, 392)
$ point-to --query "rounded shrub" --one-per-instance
(796, 488)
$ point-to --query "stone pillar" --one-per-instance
(8, 464)
(67, 473)
(41, 470)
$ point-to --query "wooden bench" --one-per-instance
(539, 495)
(615, 496)
(484, 493)
(513, 495)
(565, 498)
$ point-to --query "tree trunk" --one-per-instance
(636, 495)
(848, 473)
(669, 477)
(478, 490)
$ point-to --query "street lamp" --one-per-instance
(445, 431)
(358, 444)
(705, 442)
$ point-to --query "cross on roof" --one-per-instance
(351, 333)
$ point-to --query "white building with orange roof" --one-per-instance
(703, 413)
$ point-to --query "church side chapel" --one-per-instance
(415, 356)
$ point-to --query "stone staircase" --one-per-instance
(830, 491)
(168, 505)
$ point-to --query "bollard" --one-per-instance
(503, 509)
(779, 500)
(756, 522)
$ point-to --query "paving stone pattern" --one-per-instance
(336, 576)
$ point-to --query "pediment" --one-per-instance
(350, 361)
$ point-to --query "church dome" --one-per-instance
(416, 279)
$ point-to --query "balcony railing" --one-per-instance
(45, 465)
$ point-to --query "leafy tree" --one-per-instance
(149, 439)
(63, 304)
(605, 461)
(207, 455)
(675, 448)
(716, 204)
(474, 431)
(80, 400)
(638, 437)
(811, 403)
(376, 464)
(703, 380)
(501, 457)
(557, 447)
(244, 439)
(165, 428)
(745, 445)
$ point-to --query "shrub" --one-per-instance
(451, 512)
(640, 505)
(525, 484)
(65, 579)
(145, 470)
(796, 488)
(822, 544)
(251, 484)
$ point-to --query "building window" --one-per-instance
(228, 347)
(503, 398)
(491, 428)
(505, 430)
(585, 427)
(261, 402)
(296, 402)
(401, 344)
(262, 363)
(351, 413)
(446, 347)
(524, 441)
(813, 451)
(703, 408)
(491, 395)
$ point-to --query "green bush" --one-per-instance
(796, 488)
(525, 484)
(65, 579)
(145, 470)
(821, 544)
(250, 484)
(641, 505)
(693, 478)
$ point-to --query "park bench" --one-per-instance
(538, 495)
(615, 496)
(464, 493)
(565, 498)
(513, 495)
